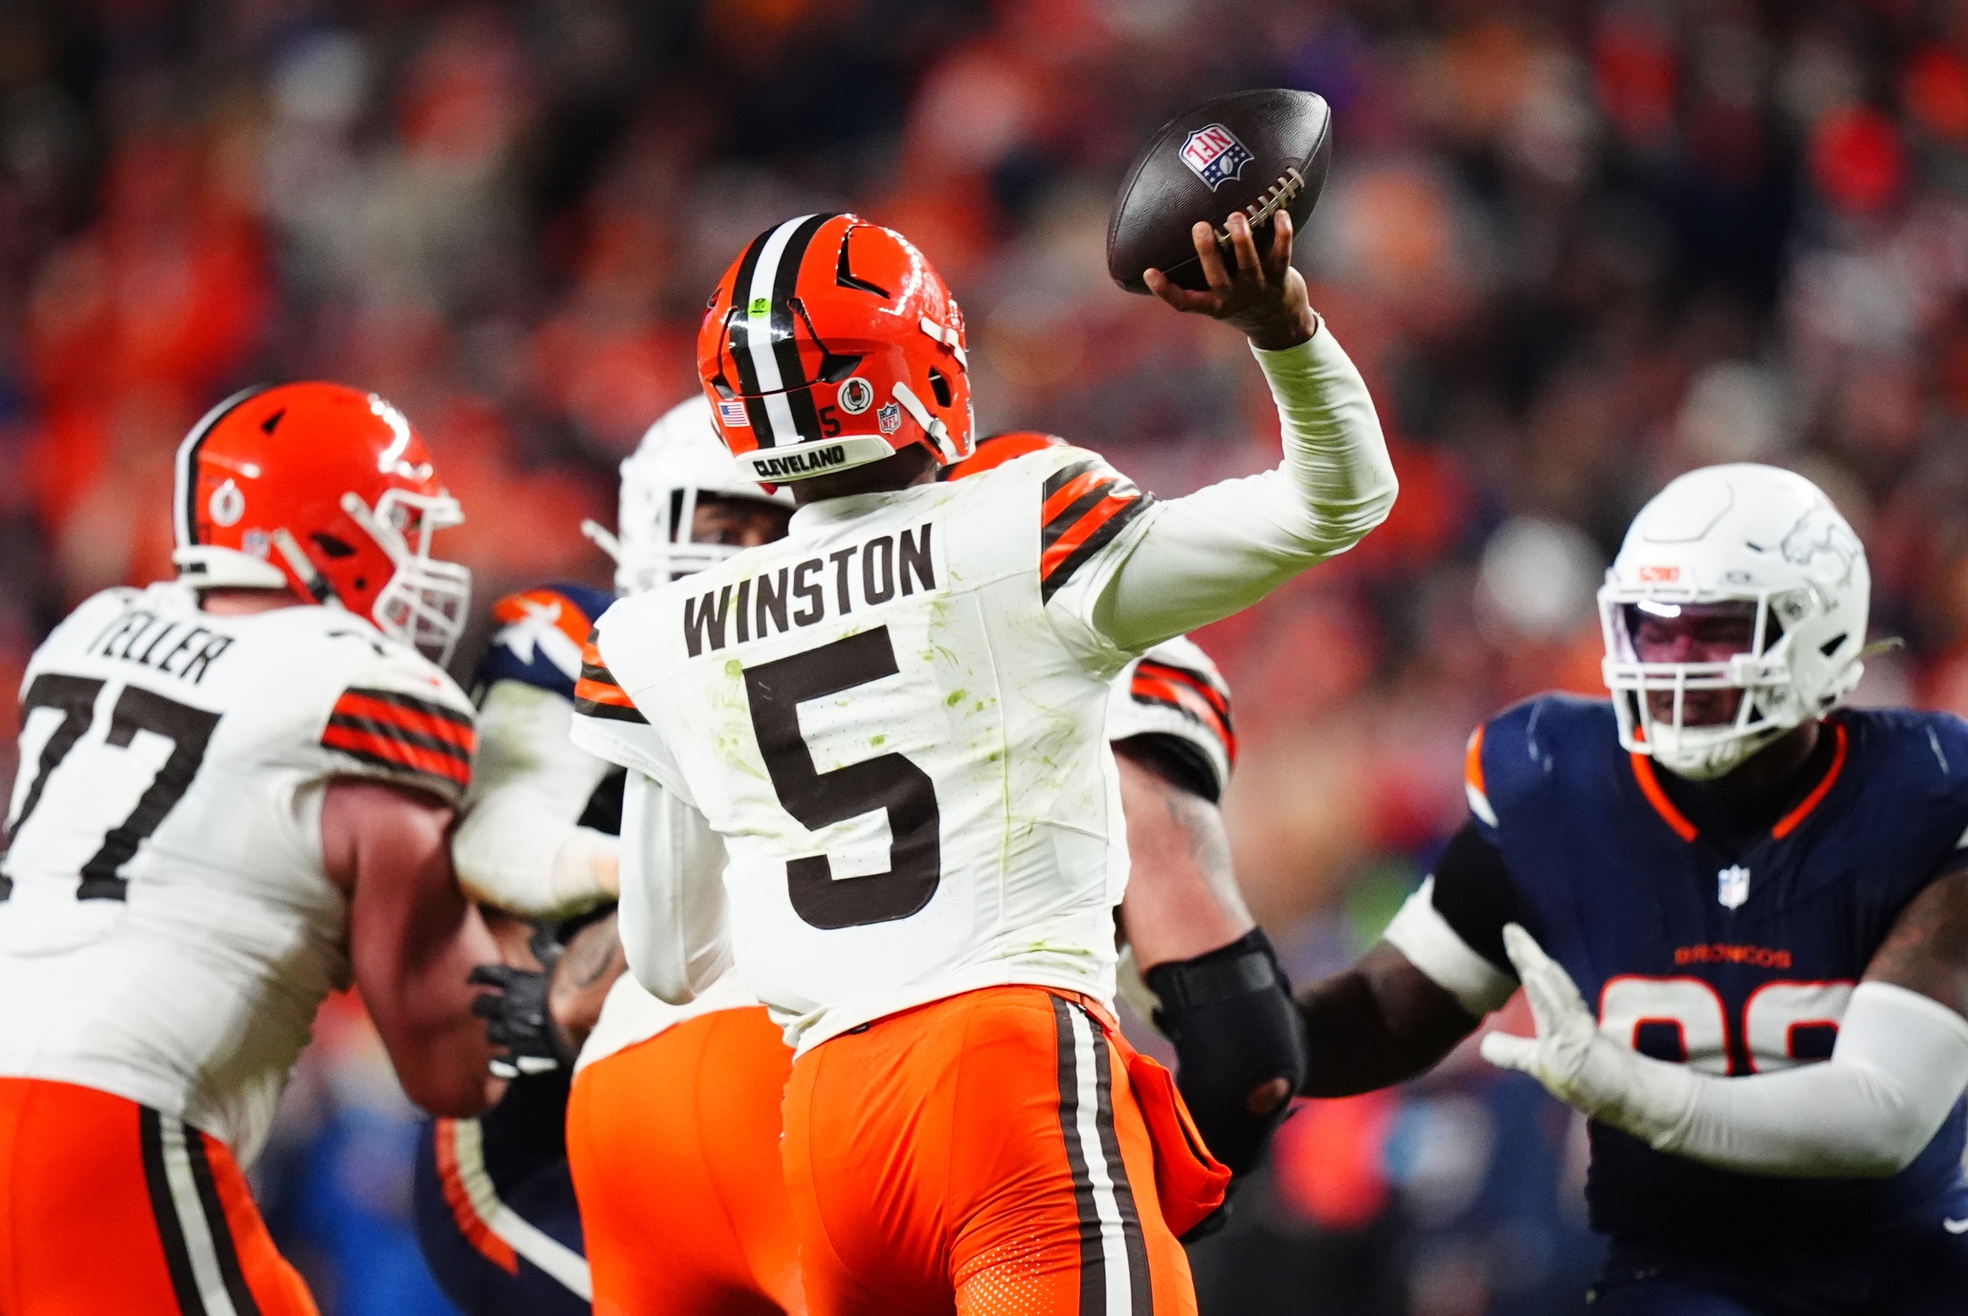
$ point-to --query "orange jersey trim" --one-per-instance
(1643, 772)
(393, 730)
(1795, 818)
(476, 1229)
(598, 694)
(1472, 762)
(1160, 683)
(389, 712)
(1056, 564)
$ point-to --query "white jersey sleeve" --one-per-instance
(1221, 549)
(167, 926)
(1175, 694)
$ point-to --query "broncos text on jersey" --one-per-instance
(167, 927)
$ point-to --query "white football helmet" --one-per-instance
(679, 459)
(1749, 534)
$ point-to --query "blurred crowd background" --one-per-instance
(1576, 248)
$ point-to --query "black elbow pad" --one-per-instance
(1235, 1029)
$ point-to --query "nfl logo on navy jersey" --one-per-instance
(1214, 155)
(1732, 886)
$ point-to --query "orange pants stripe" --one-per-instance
(110, 1206)
(674, 1145)
(982, 1154)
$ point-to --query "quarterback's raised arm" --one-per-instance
(1223, 548)
(673, 907)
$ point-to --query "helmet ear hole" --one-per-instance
(333, 547)
(940, 387)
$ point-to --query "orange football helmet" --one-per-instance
(327, 491)
(831, 343)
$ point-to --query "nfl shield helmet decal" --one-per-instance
(1214, 155)
(1732, 886)
(889, 417)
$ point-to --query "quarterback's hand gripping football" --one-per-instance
(1264, 296)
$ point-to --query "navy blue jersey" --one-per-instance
(540, 635)
(1735, 956)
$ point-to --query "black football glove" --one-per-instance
(516, 1016)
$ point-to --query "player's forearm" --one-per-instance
(583, 976)
(516, 851)
(1899, 1066)
(419, 998)
(1378, 1023)
(1223, 548)
(519, 845)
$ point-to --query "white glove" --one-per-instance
(1577, 1063)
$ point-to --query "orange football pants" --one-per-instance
(674, 1144)
(109, 1206)
(982, 1154)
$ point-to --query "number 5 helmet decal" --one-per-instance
(328, 491)
(831, 343)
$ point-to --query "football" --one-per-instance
(1255, 151)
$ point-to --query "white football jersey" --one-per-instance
(896, 719)
(1173, 693)
(167, 926)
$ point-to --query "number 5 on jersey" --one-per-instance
(816, 799)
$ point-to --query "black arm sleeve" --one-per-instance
(1235, 1029)
(1476, 896)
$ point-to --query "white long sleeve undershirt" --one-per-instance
(1221, 549)
(674, 930)
(1898, 1067)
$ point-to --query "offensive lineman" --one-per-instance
(866, 764)
(234, 798)
(497, 1216)
(1765, 896)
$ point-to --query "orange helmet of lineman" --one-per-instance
(831, 343)
(327, 491)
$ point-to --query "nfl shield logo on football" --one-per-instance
(1732, 886)
(889, 417)
(1214, 155)
(732, 412)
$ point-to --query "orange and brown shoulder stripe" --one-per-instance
(597, 693)
(1085, 505)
